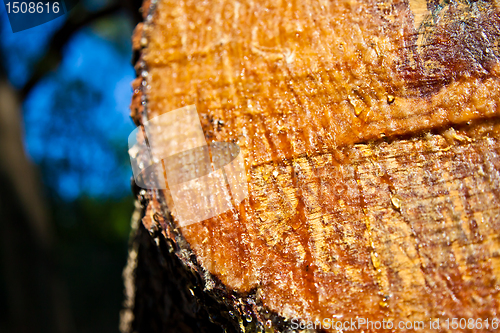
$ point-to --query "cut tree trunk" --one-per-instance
(370, 131)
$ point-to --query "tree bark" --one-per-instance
(370, 131)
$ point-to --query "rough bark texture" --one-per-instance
(371, 136)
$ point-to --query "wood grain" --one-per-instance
(371, 136)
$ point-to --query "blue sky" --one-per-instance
(76, 119)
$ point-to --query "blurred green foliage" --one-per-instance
(92, 248)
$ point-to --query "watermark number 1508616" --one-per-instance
(32, 7)
(28, 14)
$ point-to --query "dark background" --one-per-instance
(65, 198)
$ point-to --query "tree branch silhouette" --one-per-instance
(79, 18)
